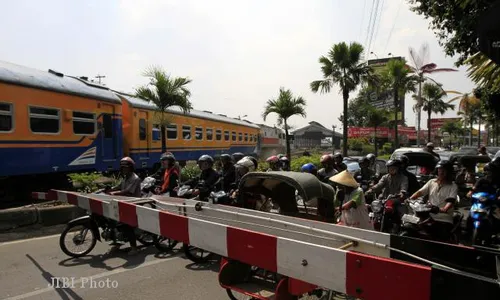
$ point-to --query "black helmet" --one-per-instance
(445, 164)
(167, 156)
(226, 158)
(371, 156)
(393, 163)
(337, 155)
(206, 158)
(237, 156)
(364, 160)
(404, 160)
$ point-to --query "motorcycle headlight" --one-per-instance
(376, 206)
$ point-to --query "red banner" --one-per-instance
(368, 132)
(438, 123)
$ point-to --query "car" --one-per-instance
(398, 152)
(497, 154)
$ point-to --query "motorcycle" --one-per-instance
(420, 224)
(485, 215)
(385, 214)
(148, 186)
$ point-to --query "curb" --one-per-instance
(45, 216)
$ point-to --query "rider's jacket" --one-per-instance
(170, 181)
(325, 176)
(413, 184)
(228, 179)
(391, 185)
(205, 182)
(365, 173)
(439, 194)
(340, 167)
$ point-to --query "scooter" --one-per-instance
(485, 215)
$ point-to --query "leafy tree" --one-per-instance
(454, 23)
(165, 92)
(484, 72)
(433, 102)
(469, 108)
(343, 65)
(358, 109)
(398, 77)
(454, 128)
(421, 67)
(285, 106)
(376, 118)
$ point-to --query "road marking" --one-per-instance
(29, 239)
(94, 277)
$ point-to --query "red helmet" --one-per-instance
(273, 159)
(327, 158)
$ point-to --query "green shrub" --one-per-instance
(356, 144)
(387, 148)
(368, 148)
(297, 163)
(91, 182)
(190, 171)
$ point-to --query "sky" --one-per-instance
(238, 53)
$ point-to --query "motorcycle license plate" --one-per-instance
(410, 219)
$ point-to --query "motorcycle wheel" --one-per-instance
(78, 239)
(144, 237)
(164, 244)
(479, 238)
(196, 255)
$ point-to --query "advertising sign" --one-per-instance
(356, 132)
(437, 123)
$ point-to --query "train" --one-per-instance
(52, 124)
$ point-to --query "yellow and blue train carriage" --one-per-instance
(188, 136)
(53, 123)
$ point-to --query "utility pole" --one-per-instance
(99, 77)
(333, 138)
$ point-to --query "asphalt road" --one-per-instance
(28, 267)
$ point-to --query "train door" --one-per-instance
(109, 135)
(144, 136)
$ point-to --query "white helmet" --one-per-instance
(247, 163)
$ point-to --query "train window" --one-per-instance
(172, 131)
(240, 136)
(83, 123)
(250, 137)
(210, 134)
(6, 117)
(198, 133)
(44, 120)
(226, 135)
(246, 137)
(218, 135)
(156, 132)
(234, 136)
(107, 125)
(142, 129)
(186, 132)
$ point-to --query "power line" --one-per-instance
(373, 25)
(362, 20)
(393, 25)
(369, 25)
(379, 18)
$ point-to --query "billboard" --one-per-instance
(437, 123)
(385, 98)
(356, 132)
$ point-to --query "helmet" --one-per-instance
(364, 160)
(206, 158)
(284, 159)
(225, 158)
(167, 156)
(308, 168)
(127, 161)
(273, 159)
(404, 160)
(446, 164)
(393, 163)
(371, 156)
(254, 160)
(280, 155)
(237, 156)
(430, 145)
(326, 159)
(247, 163)
(337, 156)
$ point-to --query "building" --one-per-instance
(271, 141)
(311, 136)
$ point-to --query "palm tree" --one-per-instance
(484, 72)
(398, 77)
(432, 102)
(376, 118)
(165, 92)
(421, 67)
(342, 66)
(469, 108)
(285, 106)
(454, 128)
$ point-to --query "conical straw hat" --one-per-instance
(344, 178)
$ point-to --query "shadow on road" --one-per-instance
(98, 261)
(211, 265)
(64, 293)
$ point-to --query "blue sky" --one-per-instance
(238, 53)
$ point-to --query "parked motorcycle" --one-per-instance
(420, 223)
(385, 214)
(485, 215)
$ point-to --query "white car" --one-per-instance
(397, 154)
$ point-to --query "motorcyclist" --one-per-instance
(373, 164)
(430, 149)
(309, 168)
(339, 165)
(364, 173)
(237, 157)
(285, 163)
(274, 163)
(491, 181)
(228, 173)
(205, 182)
(328, 169)
(393, 183)
(170, 176)
(442, 193)
(413, 185)
(130, 186)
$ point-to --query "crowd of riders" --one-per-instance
(351, 200)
